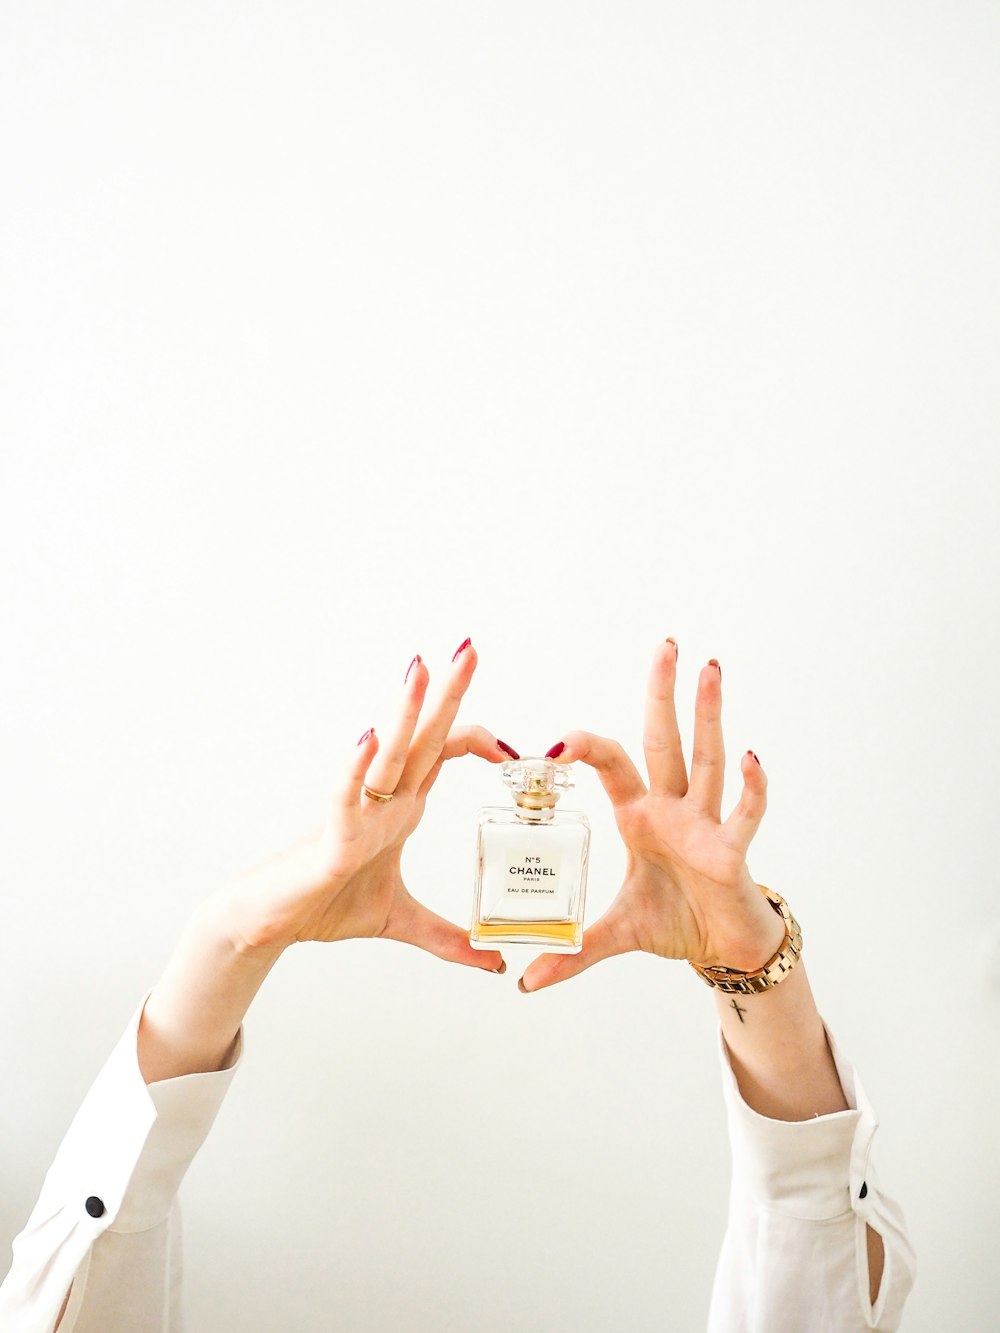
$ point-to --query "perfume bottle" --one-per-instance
(531, 863)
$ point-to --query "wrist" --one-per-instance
(750, 940)
(235, 927)
(262, 911)
(750, 981)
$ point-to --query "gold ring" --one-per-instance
(377, 795)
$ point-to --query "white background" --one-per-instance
(335, 333)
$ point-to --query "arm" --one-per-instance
(784, 1067)
(798, 1139)
(342, 881)
(778, 1050)
(806, 1211)
(99, 1255)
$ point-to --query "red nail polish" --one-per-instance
(417, 659)
(556, 750)
(756, 760)
(369, 732)
(507, 750)
(713, 662)
(461, 648)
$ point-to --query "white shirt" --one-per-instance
(794, 1257)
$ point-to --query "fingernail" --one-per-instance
(508, 750)
(369, 732)
(677, 651)
(461, 648)
(417, 659)
(501, 969)
(754, 757)
(556, 750)
(522, 988)
(713, 662)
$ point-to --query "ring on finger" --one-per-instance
(382, 797)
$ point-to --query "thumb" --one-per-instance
(602, 940)
(413, 923)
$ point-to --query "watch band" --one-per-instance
(733, 982)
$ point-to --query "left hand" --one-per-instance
(687, 892)
(344, 880)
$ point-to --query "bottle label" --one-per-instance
(534, 875)
(525, 884)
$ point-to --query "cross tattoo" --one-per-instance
(740, 1011)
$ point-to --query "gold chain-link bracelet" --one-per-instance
(731, 981)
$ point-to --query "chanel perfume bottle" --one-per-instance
(531, 863)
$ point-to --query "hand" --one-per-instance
(344, 880)
(687, 892)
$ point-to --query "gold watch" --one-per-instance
(731, 981)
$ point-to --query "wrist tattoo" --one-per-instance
(739, 1011)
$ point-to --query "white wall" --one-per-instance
(333, 333)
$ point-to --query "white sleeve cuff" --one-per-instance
(118, 1167)
(802, 1194)
(807, 1168)
(130, 1143)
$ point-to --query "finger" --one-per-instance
(412, 923)
(661, 739)
(618, 774)
(468, 740)
(744, 822)
(387, 769)
(708, 755)
(346, 801)
(602, 940)
(432, 734)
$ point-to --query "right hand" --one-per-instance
(344, 880)
(687, 892)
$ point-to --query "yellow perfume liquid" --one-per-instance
(550, 932)
(531, 864)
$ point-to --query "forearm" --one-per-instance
(779, 1052)
(195, 1010)
(783, 1065)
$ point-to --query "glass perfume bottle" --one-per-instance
(531, 863)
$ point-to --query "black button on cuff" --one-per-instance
(95, 1206)
(864, 1190)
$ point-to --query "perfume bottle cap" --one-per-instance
(536, 783)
